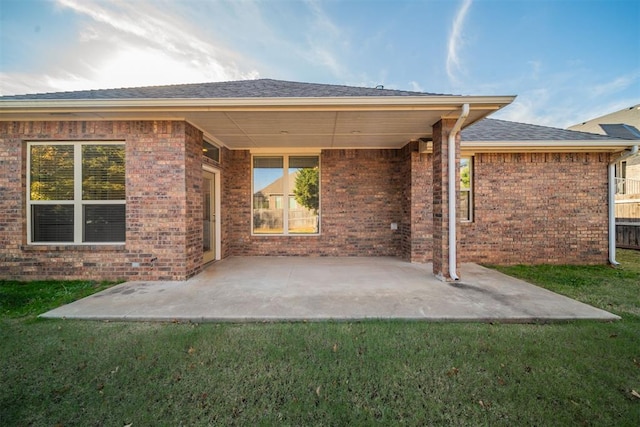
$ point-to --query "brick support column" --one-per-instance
(441, 200)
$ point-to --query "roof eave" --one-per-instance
(255, 104)
(546, 146)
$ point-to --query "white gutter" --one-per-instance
(612, 203)
(435, 102)
(557, 146)
(453, 264)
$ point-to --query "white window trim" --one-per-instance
(218, 223)
(77, 201)
(215, 162)
(285, 163)
(470, 190)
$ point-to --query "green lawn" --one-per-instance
(55, 372)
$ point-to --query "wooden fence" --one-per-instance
(628, 235)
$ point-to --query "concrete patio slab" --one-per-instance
(292, 288)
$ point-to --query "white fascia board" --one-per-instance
(257, 104)
(544, 146)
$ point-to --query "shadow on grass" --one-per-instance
(615, 289)
(19, 299)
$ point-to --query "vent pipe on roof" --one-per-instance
(612, 203)
(453, 249)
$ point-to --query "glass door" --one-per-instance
(208, 216)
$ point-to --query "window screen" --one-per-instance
(104, 223)
(52, 223)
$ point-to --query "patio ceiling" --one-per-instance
(276, 123)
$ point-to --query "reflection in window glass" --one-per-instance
(268, 186)
(304, 197)
(466, 183)
(211, 151)
(103, 175)
(51, 172)
(286, 197)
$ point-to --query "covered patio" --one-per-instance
(329, 288)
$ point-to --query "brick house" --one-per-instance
(155, 182)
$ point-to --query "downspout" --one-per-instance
(453, 249)
(612, 203)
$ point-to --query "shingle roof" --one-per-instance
(502, 130)
(261, 88)
(621, 131)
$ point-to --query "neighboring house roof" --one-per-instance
(621, 131)
(261, 88)
(276, 187)
(629, 116)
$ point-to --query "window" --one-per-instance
(76, 193)
(466, 189)
(211, 151)
(286, 195)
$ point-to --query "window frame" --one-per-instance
(286, 193)
(469, 190)
(205, 151)
(77, 202)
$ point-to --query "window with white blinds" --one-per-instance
(76, 193)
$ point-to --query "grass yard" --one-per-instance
(56, 372)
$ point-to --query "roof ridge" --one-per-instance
(381, 88)
(258, 87)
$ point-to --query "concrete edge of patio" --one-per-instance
(272, 289)
(279, 319)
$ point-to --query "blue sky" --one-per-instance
(567, 60)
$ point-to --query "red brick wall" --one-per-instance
(235, 200)
(529, 208)
(159, 198)
(517, 218)
(193, 189)
(422, 207)
(360, 198)
(538, 208)
(406, 200)
(417, 205)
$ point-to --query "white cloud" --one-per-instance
(618, 84)
(121, 44)
(415, 86)
(536, 66)
(325, 41)
(560, 107)
(528, 107)
(455, 41)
